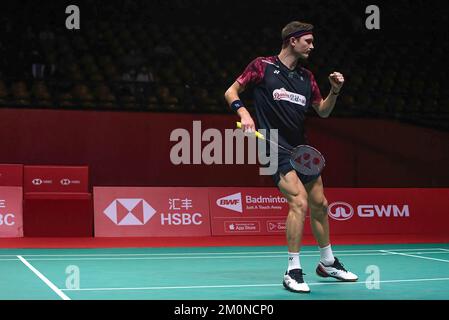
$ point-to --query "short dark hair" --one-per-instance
(293, 27)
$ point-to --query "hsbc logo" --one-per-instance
(343, 211)
(129, 212)
(68, 182)
(232, 202)
(37, 182)
(65, 182)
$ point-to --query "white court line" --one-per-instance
(444, 249)
(207, 253)
(212, 257)
(43, 278)
(414, 256)
(255, 285)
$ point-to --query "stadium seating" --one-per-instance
(190, 54)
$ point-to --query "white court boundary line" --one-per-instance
(213, 257)
(413, 256)
(203, 256)
(255, 285)
(213, 253)
(43, 278)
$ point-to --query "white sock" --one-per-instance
(293, 261)
(327, 257)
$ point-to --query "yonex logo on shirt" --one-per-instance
(282, 94)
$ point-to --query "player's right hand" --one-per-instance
(248, 124)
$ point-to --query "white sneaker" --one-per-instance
(293, 281)
(336, 270)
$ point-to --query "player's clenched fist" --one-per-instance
(336, 79)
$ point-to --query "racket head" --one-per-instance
(307, 160)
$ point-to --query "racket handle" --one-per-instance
(257, 133)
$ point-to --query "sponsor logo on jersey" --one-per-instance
(282, 94)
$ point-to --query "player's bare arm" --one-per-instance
(231, 95)
(324, 109)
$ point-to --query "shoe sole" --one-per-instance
(292, 290)
(323, 274)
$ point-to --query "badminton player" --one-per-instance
(283, 92)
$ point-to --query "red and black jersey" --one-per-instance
(281, 97)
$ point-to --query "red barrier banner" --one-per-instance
(11, 222)
(56, 179)
(388, 211)
(263, 211)
(11, 175)
(246, 211)
(146, 212)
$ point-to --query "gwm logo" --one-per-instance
(340, 211)
(343, 211)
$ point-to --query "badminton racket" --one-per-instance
(305, 159)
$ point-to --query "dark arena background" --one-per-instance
(94, 98)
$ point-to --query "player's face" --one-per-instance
(304, 45)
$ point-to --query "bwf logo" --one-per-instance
(129, 212)
(232, 202)
(344, 211)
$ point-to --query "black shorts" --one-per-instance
(285, 167)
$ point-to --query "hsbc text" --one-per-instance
(7, 219)
(181, 219)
